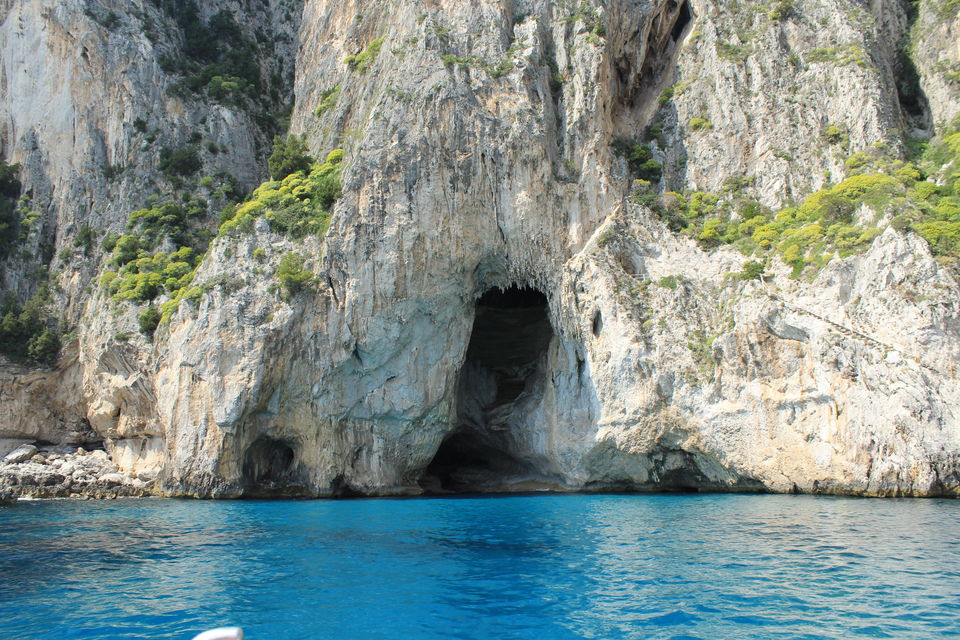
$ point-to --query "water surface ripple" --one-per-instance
(482, 568)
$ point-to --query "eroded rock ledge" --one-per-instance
(59, 472)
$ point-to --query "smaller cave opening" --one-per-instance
(678, 471)
(597, 324)
(268, 468)
(666, 30)
(683, 19)
(910, 94)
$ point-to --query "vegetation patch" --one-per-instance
(585, 14)
(141, 269)
(28, 332)
(670, 282)
(217, 60)
(839, 56)
(289, 155)
(782, 10)
(327, 99)
(733, 52)
(639, 159)
(839, 220)
(834, 135)
(9, 215)
(362, 61)
(156, 260)
(292, 275)
(297, 205)
(700, 345)
(495, 68)
(699, 124)
(182, 162)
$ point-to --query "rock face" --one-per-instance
(486, 313)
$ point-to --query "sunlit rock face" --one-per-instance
(486, 314)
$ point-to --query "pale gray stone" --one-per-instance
(21, 454)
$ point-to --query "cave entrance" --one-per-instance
(683, 19)
(500, 384)
(268, 469)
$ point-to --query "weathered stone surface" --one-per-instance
(62, 475)
(478, 157)
(20, 454)
(111, 479)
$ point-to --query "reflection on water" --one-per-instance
(478, 568)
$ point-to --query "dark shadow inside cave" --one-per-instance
(268, 469)
(501, 380)
(683, 20)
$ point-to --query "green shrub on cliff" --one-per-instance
(289, 155)
(327, 99)
(149, 320)
(145, 277)
(218, 61)
(699, 124)
(782, 10)
(832, 134)
(751, 270)
(159, 255)
(297, 205)
(639, 159)
(920, 194)
(180, 162)
(44, 347)
(936, 216)
(165, 219)
(9, 216)
(292, 275)
(362, 61)
(29, 332)
(143, 272)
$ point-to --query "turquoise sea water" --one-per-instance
(484, 568)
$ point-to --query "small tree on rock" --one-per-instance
(289, 155)
(292, 275)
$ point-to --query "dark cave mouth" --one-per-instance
(470, 462)
(683, 20)
(500, 382)
(269, 469)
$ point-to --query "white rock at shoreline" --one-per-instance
(21, 454)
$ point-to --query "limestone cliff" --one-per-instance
(517, 288)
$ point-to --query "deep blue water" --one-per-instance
(544, 567)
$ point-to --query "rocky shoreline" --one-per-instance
(60, 472)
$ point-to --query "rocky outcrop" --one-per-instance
(70, 474)
(795, 74)
(797, 386)
(45, 406)
(491, 310)
(21, 454)
(89, 100)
